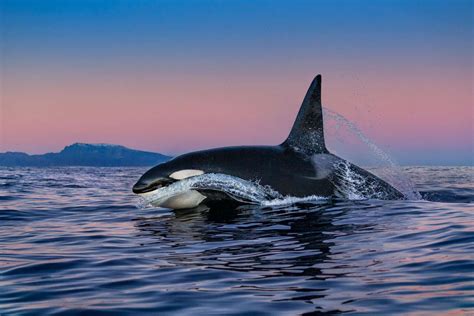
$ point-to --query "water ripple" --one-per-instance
(73, 242)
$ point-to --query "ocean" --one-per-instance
(77, 241)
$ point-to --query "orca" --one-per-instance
(300, 166)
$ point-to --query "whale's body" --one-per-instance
(300, 166)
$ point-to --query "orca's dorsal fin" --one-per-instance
(307, 133)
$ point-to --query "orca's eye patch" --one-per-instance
(185, 173)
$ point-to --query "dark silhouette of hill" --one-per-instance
(79, 154)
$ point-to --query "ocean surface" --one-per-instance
(76, 241)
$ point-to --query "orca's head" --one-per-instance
(166, 174)
(163, 175)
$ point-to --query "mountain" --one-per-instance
(79, 154)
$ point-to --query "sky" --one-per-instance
(174, 76)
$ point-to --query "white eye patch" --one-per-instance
(186, 173)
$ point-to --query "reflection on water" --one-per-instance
(272, 242)
(72, 241)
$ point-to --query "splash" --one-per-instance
(250, 191)
(387, 168)
(352, 185)
(288, 200)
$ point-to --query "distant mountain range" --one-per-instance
(79, 154)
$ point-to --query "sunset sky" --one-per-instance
(175, 76)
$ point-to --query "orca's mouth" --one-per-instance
(143, 187)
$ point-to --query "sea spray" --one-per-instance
(250, 191)
(388, 170)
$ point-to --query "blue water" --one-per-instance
(73, 241)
